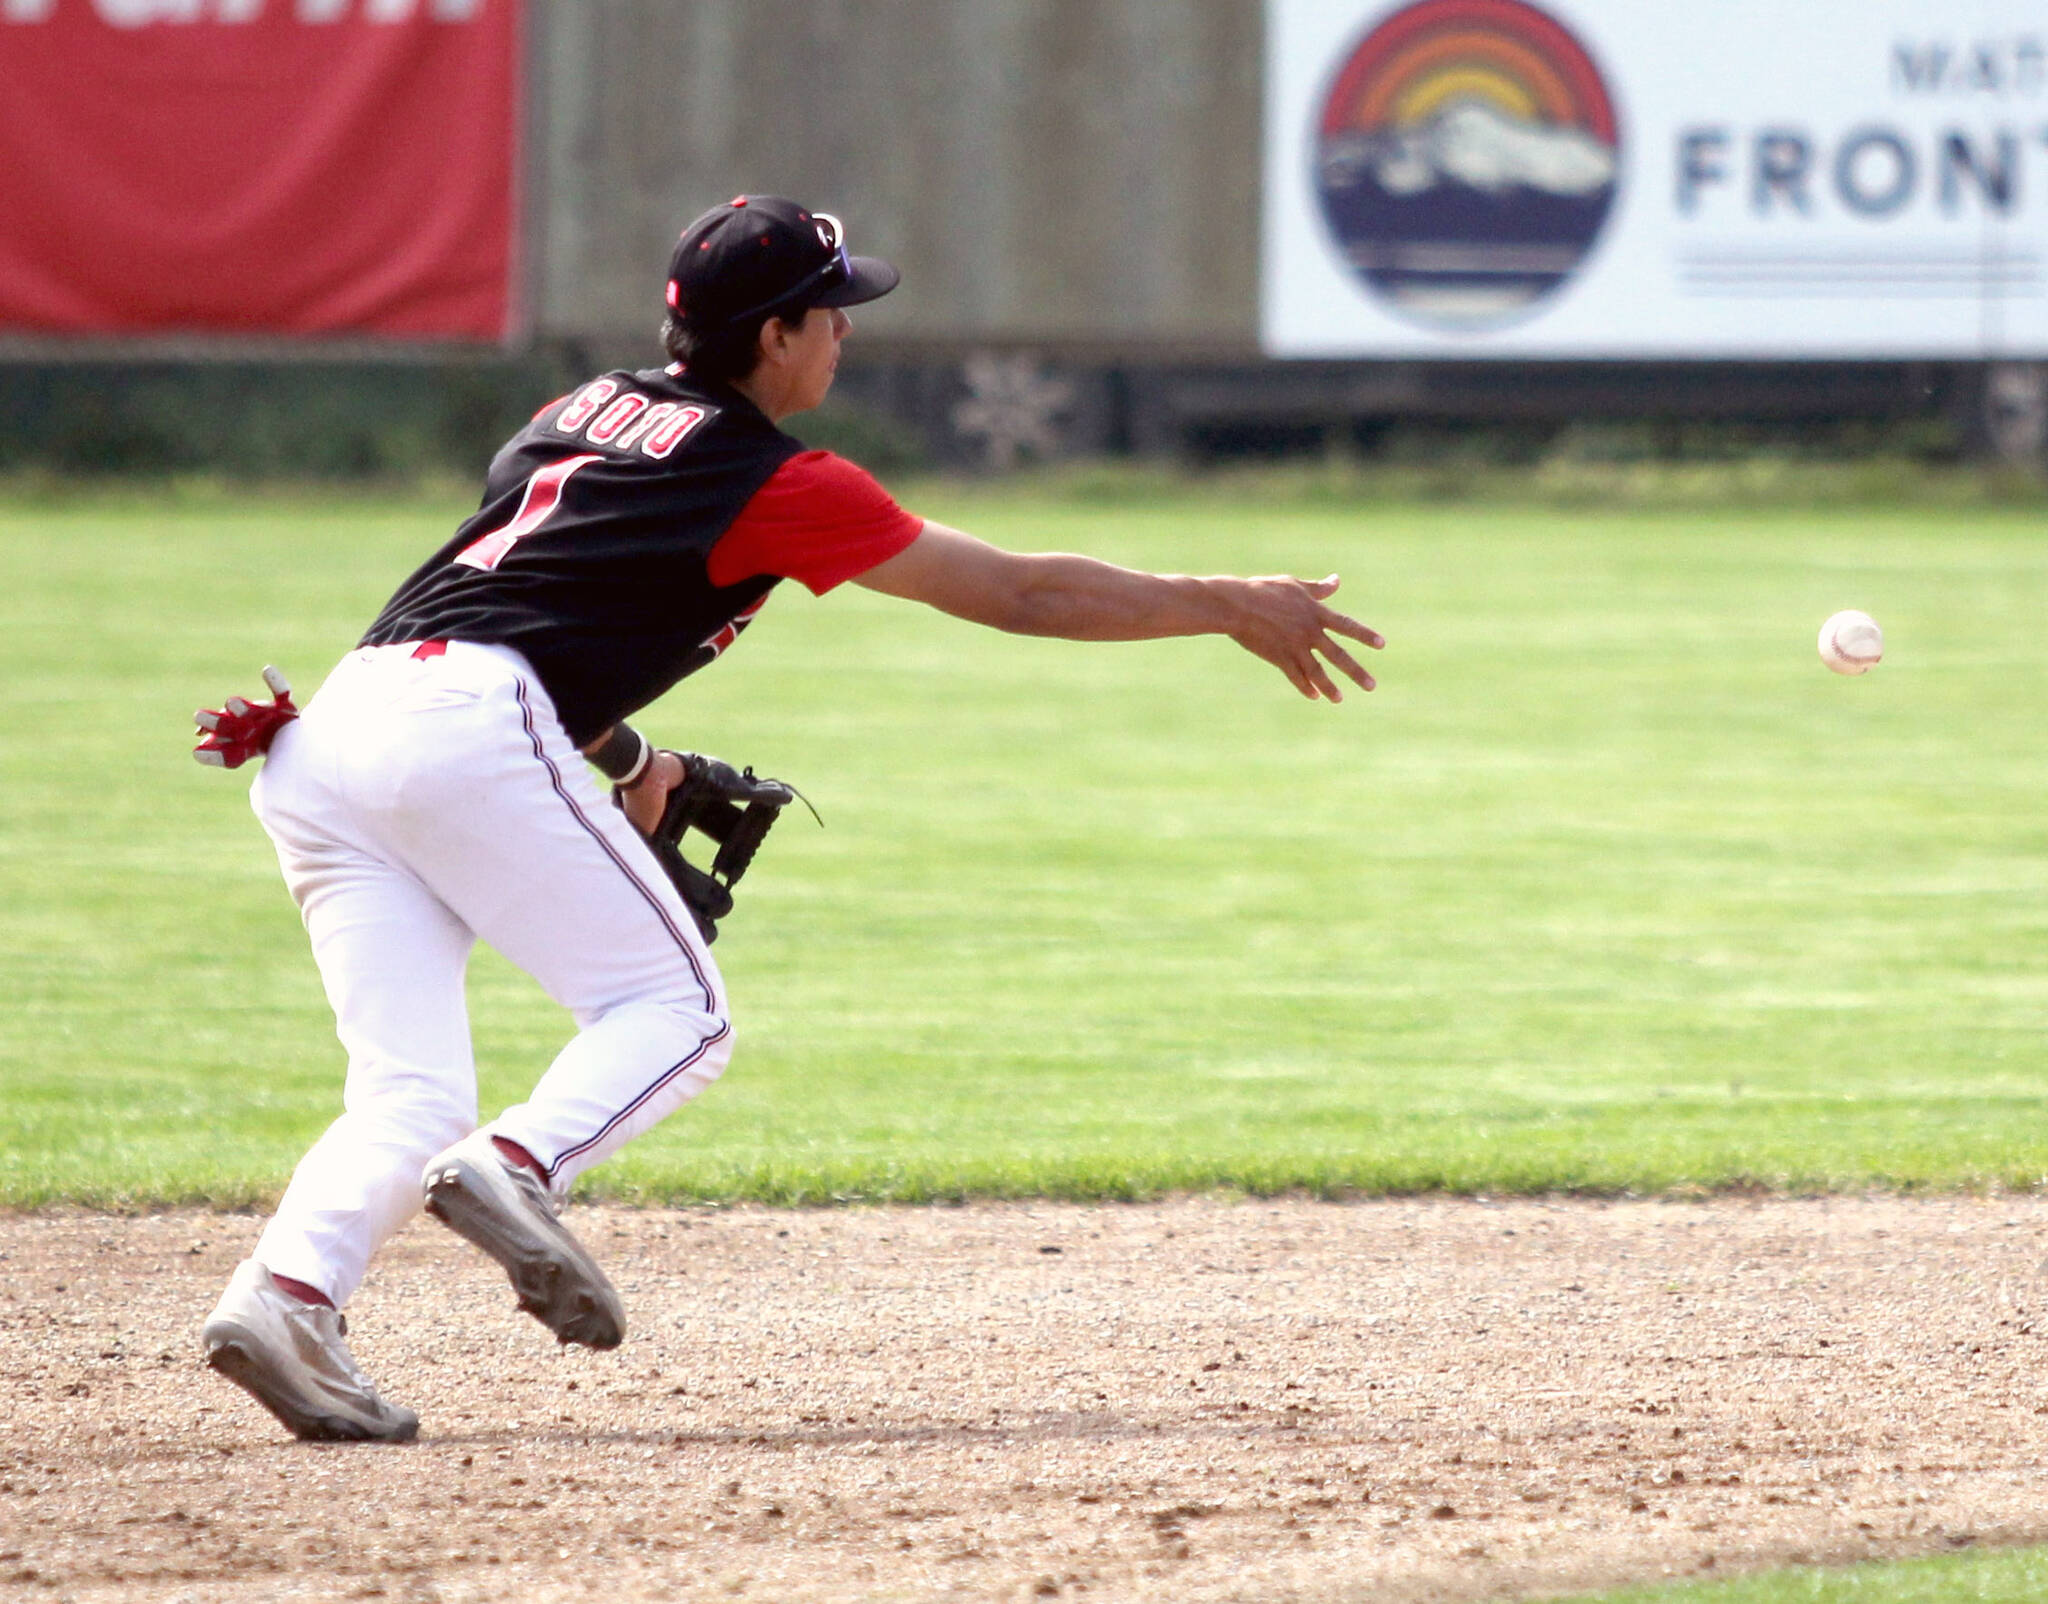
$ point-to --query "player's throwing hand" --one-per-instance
(1285, 622)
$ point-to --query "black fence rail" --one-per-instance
(991, 410)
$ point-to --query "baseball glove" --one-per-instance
(734, 808)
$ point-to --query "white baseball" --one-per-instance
(1851, 643)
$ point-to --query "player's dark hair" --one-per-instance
(721, 355)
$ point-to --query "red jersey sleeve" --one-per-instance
(820, 519)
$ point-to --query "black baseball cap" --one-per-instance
(762, 253)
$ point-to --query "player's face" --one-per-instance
(814, 354)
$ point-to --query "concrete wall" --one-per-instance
(1069, 174)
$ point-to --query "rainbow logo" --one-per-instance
(1466, 157)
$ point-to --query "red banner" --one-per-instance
(259, 167)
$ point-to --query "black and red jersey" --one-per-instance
(631, 531)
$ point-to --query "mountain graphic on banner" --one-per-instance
(1469, 216)
(1474, 144)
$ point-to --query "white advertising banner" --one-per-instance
(1859, 179)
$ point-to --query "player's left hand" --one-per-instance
(647, 798)
(240, 729)
(1283, 620)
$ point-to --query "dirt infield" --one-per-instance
(1198, 1400)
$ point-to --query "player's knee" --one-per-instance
(448, 1126)
(696, 1036)
(711, 1029)
(420, 1114)
(684, 1007)
(720, 1052)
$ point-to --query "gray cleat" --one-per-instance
(290, 1357)
(505, 1210)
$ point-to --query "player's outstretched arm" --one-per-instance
(1282, 619)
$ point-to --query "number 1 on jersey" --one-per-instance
(542, 496)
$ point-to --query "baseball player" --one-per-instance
(436, 791)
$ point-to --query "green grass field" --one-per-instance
(2015, 1576)
(1611, 886)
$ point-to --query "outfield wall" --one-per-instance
(1073, 172)
(1113, 216)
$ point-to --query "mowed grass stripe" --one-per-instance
(1611, 886)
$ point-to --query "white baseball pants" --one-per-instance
(422, 802)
